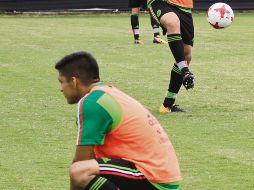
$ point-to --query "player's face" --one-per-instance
(68, 88)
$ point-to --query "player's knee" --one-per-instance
(174, 23)
(74, 172)
(78, 175)
(171, 22)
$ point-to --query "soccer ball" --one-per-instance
(220, 15)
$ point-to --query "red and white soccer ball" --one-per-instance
(220, 15)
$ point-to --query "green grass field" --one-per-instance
(214, 142)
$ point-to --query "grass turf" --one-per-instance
(214, 142)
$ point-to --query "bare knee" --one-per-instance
(81, 173)
(78, 175)
(171, 22)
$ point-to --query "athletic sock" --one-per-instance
(182, 65)
(175, 43)
(101, 183)
(155, 27)
(174, 86)
(135, 26)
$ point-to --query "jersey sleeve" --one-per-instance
(93, 120)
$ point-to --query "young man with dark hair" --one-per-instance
(175, 17)
(120, 144)
(135, 6)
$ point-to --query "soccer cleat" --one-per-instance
(164, 109)
(173, 108)
(188, 80)
(138, 41)
(159, 40)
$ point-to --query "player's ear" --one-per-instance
(74, 81)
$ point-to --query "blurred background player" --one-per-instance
(175, 17)
(135, 6)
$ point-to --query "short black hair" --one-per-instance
(81, 65)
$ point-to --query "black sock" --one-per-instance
(155, 26)
(135, 26)
(101, 183)
(175, 43)
(174, 86)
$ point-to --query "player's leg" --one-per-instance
(187, 32)
(156, 34)
(172, 92)
(84, 175)
(135, 24)
(155, 27)
(168, 17)
(135, 10)
(171, 23)
(171, 19)
(175, 84)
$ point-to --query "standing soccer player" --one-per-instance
(120, 144)
(175, 17)
(135, 6)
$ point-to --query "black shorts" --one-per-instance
(159, 7)
(123, 174)
(137, 3)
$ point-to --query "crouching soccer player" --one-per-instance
(176, 20)
(120, 144)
